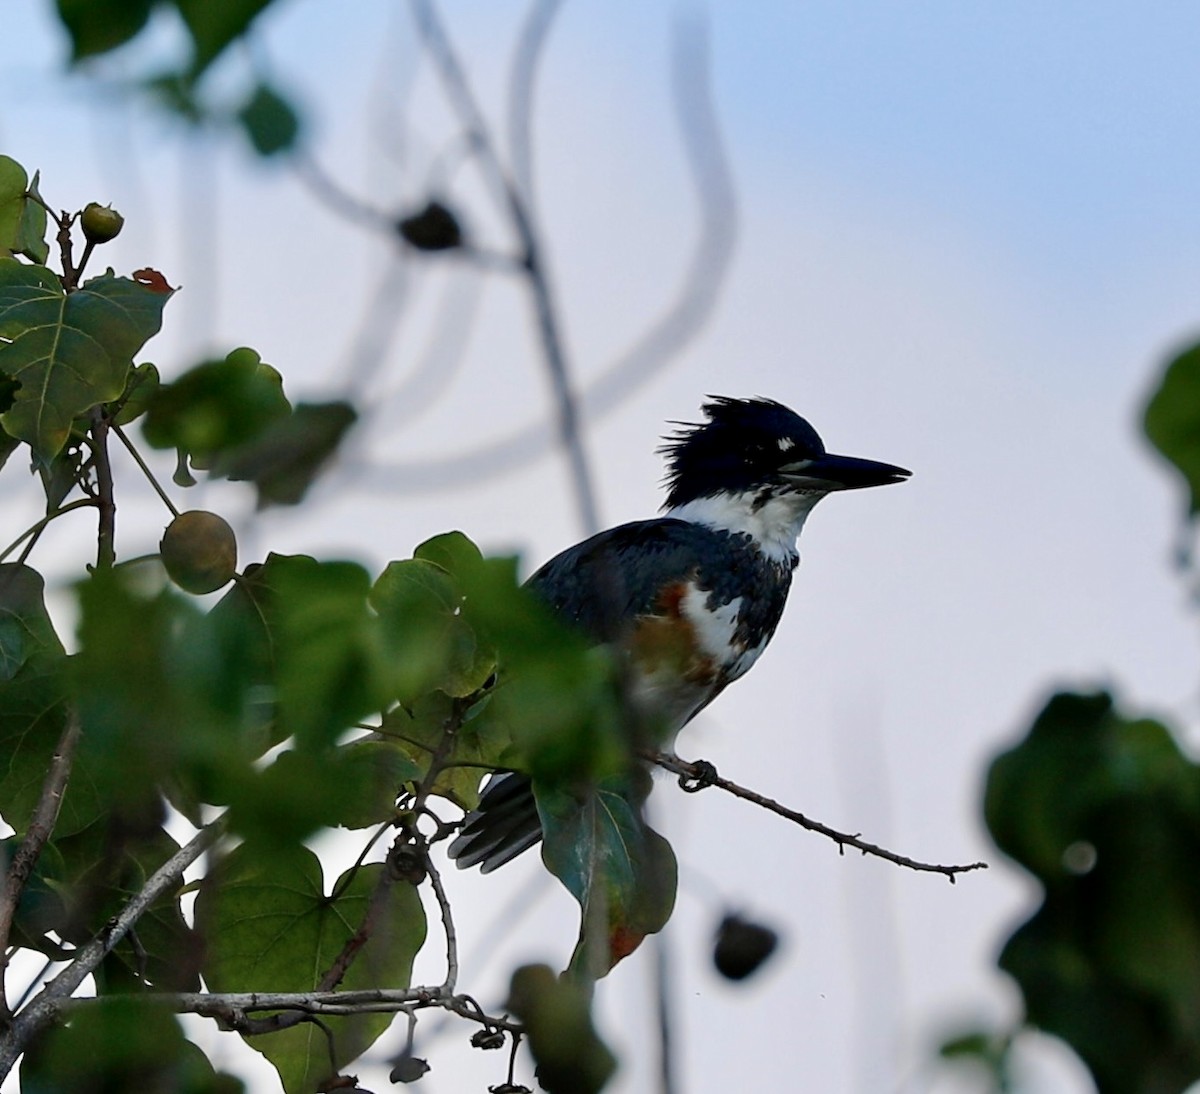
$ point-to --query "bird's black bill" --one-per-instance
(844, 472)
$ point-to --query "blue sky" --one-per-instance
(967, 236)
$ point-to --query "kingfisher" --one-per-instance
(690, 598)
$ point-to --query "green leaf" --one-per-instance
(26, 633)
(68, 351)
(285, 458)
(570, 1057)
(215, 407)
(375, 771)
(1105, 811)
(269, 926)
(430, 644)
(102, 868)
(96, 26)
(214, 26)
(358, 786)
(269, 121)
(30, 239)
(13, 182)
(140, 388)
(62, 474)
(622, 872)
(330, 668)
(166, 694)
(41, 908)
(32, 717)
(1172, 419)
(468, 747)
(120, 1045)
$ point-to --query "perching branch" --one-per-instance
(232, 1009)
(696, 776)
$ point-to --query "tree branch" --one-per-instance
(232, 1008)
(696, 776)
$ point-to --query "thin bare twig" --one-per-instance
(137, 458)
(666, 337)
(458, 91)
(439, 892)
(699, 775)
(530, 45)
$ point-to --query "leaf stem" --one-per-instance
(137, 458)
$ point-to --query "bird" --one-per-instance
(690, 598)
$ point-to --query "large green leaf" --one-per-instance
(622, 872)
(1105, 811)
(69, 351)
(269, 926)
(1172, 419)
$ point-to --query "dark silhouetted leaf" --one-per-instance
(570, 1057)
(285, 458)
(96, 26)
(269, 121)
(215, 26)
(1172, 419)
(434, 228)
(1105, 812)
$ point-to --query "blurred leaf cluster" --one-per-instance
(310, 696)
(265, 114)
(1102, 807)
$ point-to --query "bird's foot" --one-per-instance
(701, 774)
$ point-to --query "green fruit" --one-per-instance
(199, 551)
(100, 223)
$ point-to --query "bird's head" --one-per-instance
(757, 457)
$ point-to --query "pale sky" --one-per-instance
(966, 239)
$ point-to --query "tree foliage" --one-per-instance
(1102, 806)
(311, 695)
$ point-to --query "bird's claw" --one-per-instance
(701, 775)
